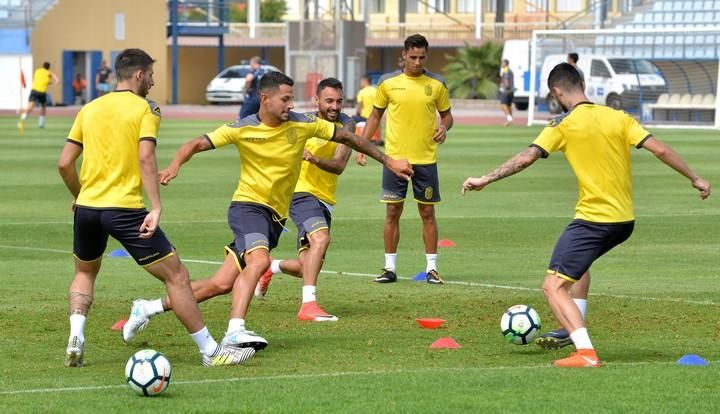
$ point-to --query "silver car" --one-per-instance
(229, 85)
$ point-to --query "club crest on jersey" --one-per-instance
(291, 136)
(428, 90)
(428, 193)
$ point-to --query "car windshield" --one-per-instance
(632, 66)
(234, 73)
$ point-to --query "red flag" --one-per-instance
(23, 84)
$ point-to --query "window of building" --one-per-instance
(466, 6)
(438, 6)
(492, 6)
(411, 6)
(569, 5)
(536, 6)
(377, 6)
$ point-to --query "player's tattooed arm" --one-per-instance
(510, 167)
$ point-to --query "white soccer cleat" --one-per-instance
(225, 355)
(243, 338)
(137, 321)
(74, 353)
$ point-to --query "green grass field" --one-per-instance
(653, 299)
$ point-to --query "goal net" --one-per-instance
(664, 76)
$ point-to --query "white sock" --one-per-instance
(308, 293)
(275, 267)
(581, 339)
(23, 116)
(390, 261)
(582, 305)
(509, 118)
(77, 326)
(431, 260)
(235, 324)
(204, 341)
(153, 307)
(41, 120)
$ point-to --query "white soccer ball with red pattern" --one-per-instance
(148, 372)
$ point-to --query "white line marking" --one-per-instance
(447, 282)
(325, 375)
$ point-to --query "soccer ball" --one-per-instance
(148, 372)
(520, 324)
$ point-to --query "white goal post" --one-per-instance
(665, 76)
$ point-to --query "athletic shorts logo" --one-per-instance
(428, 90)
(291, 135)
(428, 193)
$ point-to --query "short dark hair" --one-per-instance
(46, 65)
(365, 77)
(505, 61)
(565, 77)
(416, 41)
(329, 83)
(574, 57)
(273, 80)
(129, 61)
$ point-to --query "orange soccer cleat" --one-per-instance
(582, 358)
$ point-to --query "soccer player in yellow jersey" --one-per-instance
(411, 96)
(596, 142)
(42, 78)
(116, 135)
(365, 99)
(313, 203)
(271, 145)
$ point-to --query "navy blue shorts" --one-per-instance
(309, 215)
(39, 97)
(505, 98)
(582, 243)
(425, 183)
(254, 226)
(93, 226)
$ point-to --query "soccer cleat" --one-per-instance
(508, 123)
(387, 276)
(21, 126)
(137, 321)
(310, 311)
(556, 339)
(225, 355)
(74, 353)
(582, 358)
(263, 284)
(434, 278)
(243, 338)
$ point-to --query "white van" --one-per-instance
(618, 82)
(517, 52)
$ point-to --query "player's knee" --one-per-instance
(551, 286)
(320, 240)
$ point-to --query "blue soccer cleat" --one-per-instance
(556, 339)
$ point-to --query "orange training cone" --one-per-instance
(446, 342)
(446, 243)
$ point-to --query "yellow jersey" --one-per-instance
(313, 179)
(41, 80)
(110, 129)
(366, 97)
(270, 157)
(412, 103)
(596, 141)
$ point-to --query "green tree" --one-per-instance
(473, 72)
(271, 11)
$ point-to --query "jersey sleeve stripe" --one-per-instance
(72, 141)
(149, 139)
(545, 154)
(642, 141)
(209, 141)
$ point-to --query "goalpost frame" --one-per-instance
(664, 31)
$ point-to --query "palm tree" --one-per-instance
(473, 72)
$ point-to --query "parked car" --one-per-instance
(618, 82)
(229, 85)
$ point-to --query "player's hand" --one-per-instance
(150, 224)
(309, 157)
(73, 206)
(474, 184)
(401, 168)
(360, 159)
(167, 175)
(703, 186)
(440, 134)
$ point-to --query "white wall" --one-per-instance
(11, 95)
